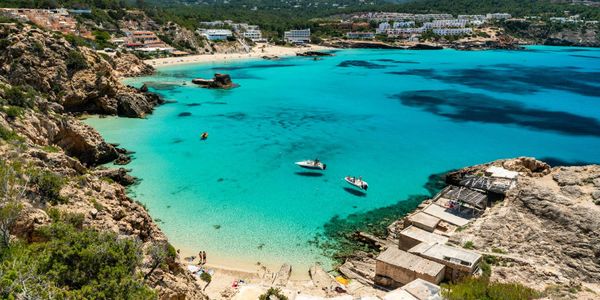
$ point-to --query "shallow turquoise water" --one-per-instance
(393, 117)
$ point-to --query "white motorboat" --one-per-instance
(312, 164)
(357, 182)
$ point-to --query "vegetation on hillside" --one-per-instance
(481, 288)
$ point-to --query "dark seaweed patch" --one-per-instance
(585, 56)
(215, 102)
(185, 114)
(508, 78)
(239, 116)
(177, 141)
(193, 104)
(389, 60)
(361, 64)
(161, 86)
(461, 107)
(557, 162)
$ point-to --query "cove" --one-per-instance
(394, 117)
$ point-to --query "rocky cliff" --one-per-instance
(546, 232)
(43, 78)
(76, 78)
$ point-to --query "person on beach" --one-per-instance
(204, 256)
(200, 257)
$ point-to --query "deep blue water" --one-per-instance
(393, 117)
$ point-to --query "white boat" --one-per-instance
(312, 164)
(357, 182)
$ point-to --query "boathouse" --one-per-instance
(412, 236)
(459, 262)
(422, 220)
(395, 267)
(417, 289)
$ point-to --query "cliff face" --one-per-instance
(75, 77)
(52, 140)
(547, 228)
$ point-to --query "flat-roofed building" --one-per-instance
(360, 35)
(422, 220)
(217, 34)
(459, 262)
(254, 35)
(297, 36)
(395, 267)
(412, 236)
(417, 289)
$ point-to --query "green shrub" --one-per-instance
(469, 245)
(20, 96)
(205, 277)
(51, 149)
(76, 61)
(9, 135)
(480, 288)
(13, 111)
(77, 264)
(48, 186)
(273, 292)
(99, 207)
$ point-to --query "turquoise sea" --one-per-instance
(392, 116)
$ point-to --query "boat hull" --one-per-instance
(363, 185)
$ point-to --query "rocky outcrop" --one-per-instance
(314, 53)
(76, 78)
(129, 65)
(219, 81)
(587, 37)
(549, 223)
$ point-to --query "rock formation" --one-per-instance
(60, 78)
(219, 81)
(547, 227)
(76, 78)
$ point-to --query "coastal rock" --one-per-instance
(425, 47)
(219, 81)
(76, 78)
(314, 53)
(129, 65)
(120, 176)
(85, 143)
(548, 223)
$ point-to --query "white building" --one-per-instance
(452, 31)
(254, 35)
(498, 16)
(297, 36)
(216, 34)
(404, 24)
(383, 28)
(445, 23)
(360, 35)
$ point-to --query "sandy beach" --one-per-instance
(257, 52)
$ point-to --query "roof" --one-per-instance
(466, 195)
(422, 290)
(440, 212)
(448, 253)
(501, 172)
(405, 260)
(491, 184)
(423, 235)
(399, 294)
(425, 219)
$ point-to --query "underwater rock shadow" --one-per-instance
(516, 79)
(309, 174)
(184, 114)
(462, 107)
(355, 192)
(557, 162)
(362, 64)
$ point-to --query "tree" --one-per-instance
(158, 255)
(12, 190)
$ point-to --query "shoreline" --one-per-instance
(257, 52)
